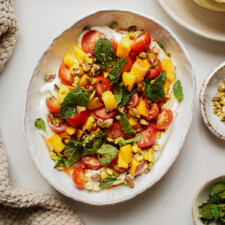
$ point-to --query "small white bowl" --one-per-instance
(202, 195)
(51, 60)
(207, 92)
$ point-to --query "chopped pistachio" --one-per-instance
(50, 76)
(142, 55)
(110, 140)
(118, 140)
(144, 122)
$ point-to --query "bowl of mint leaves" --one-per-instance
(209, 202)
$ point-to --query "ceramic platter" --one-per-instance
(52, 58)
(204, 22)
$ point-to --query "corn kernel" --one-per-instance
(144, 154)
(135, 149)
(150, 155)
(109, 171)
(139, 158)
(103, 174)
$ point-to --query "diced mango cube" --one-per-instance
(84, 80)
(79, 53)
(94, 104)
(69, 59)
(109, 100)
(71, 130)
(167, 67)
(89, 125)
(63, 91)
(103, 174)
(121, 163)
(132, 121)
(142, 108)
(140, 69)
(56, 143)
(123, 49)
(126, 153)
(136, 167)
(128, 80)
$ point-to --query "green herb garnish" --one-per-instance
(125, 125)
(116, 70)
(118, 92)
(107, 182)
(214, 208)
(126, 95)
(106, 153)
(40, 124)
(178, 90)
(98, 140)
(104, 52)
(154, 88)
(130, 141)
(76, 97)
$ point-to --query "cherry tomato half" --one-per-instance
(79, 119)
(113, 162)
(133, 101)
(155, 71)
(101, 113)
(91, 162)
(128, 65)
(115, 131)
(165, 118)
(102, 85)
(141, 43)
(119, 169)
(64, 74)
(56, 124)
(89, 40)
(148, 137)
(153, 112)
(53, 105)
(78, 177)
(114, 44)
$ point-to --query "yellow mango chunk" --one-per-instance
(126, 153)
(132, 121)
(79, 53)
(94, 104)
(121, 163)
(63, 91)
(140, 69)
(167, 67)
(150, 155)
(56, 143)
(69, 59)
(109, 100)
(128, 80)
(142, 108)
(89, 125)
(84, 80)
(136, 167)
(123, 49)
(71, 130)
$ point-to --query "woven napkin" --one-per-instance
(19, 206)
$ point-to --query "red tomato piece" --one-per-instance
(64, 74)
(58, 126)
(101, 113)
(78, 177)
(115, 131)
(89, 40)
(153, 112)
(155, 71)
(53, 105)
(164, 119)
(91, 162)
(133, 101)
(114, 44)
(79, 119)
(128, 65)
(148, 137)
(141, 43)
(119, 169)
(113, 162)
(102, 85)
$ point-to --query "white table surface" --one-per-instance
(202, 156)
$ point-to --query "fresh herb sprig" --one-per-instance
(178, 90)
(40, 124)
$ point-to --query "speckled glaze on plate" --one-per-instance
(207, 92)
(51, 60)
(198, 20)
(202, 195)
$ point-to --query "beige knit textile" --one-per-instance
(19, 206)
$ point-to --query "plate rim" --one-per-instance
(193, 80)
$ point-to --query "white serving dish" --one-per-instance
(207, 92)
(51, 60)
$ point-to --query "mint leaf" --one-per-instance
(125, 125)
(116, 70)
(118, 92)
(98, 140)
(126, 95)
(76, 97)
(107, 153)
(104, 52)
(216, 189)
(130, 141)
(73, 152)
(178, 90)
(40, 124)
(107, 182)
(154, 88)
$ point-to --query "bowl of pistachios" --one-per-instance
(212, 101)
